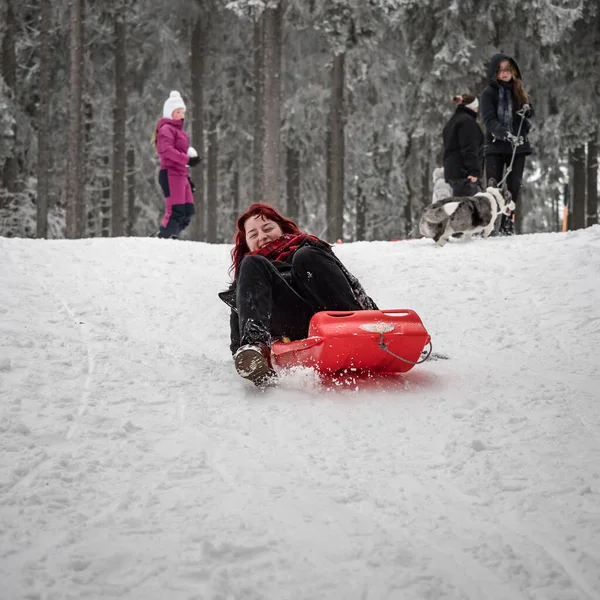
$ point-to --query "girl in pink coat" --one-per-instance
(176, 154)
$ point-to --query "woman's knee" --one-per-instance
(252, 262)
(307, 256)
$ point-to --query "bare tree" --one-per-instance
(257, 180)
(293, 183)
(92, 208)
(198, 57)
(335, 217)
(361, 213)
(105, 197)
(43, 118)
(234, 187)
(9, 59)
(268, 106)
(119, 123)
(131, 212)
(9, 72)
(577, 159)
(592, 180)
(212, 179)
(74, 227)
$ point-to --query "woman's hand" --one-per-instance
(472, 178)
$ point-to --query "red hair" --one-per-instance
(240, 247)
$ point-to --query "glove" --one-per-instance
(194, 158)
(192, 185)
(514, 140)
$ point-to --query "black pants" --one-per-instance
(464, 187)
(272, 304)
(180, 218)
(495, 165)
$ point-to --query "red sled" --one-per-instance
(377, 341)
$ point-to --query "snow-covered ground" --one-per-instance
(134, 463)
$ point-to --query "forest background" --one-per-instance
(331, 110)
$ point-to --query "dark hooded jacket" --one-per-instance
(495, 128)
(463, 145)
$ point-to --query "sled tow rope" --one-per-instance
(384, 347)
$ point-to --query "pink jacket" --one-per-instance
(172, 144)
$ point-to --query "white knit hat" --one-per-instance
(174, 102)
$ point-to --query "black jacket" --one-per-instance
(495, 131)
(229, 295)
(463, 145)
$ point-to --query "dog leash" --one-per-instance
(521, 113)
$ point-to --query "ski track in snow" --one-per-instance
(136, 464)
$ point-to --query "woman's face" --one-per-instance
(260, 231)
(504, 71)
(178, 114)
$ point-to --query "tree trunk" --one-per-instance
(336, 126)
(235, 189)
(9, 57)
(257, 182)
(10, 171)
(361, 213)
(408, 212)
(105, 200)
(74, 227)
(92, 218)
(269, 73)
(328, 202)
(408, 215)
(592, 181)
(293, 183)
(567, 206)
(212, 168)
(131, 212)
(9, 72)
(119, 123)
(426, 191)
(84, 138)
(43, 119)
(578, 188)
(198, 51)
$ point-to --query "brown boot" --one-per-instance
(253, 362)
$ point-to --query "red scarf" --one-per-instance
(282, 248)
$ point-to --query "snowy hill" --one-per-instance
(136, 464)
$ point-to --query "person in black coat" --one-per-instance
(463, 147)
(506, 110)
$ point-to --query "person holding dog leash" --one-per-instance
(463, 144)
(506, 110)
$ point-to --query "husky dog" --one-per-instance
(466, 215)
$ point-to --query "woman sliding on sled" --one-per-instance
(282, 277)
